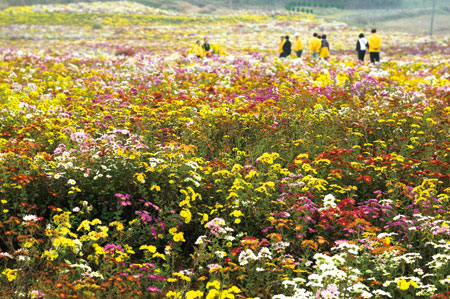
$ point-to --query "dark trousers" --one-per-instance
(299, 53)
(361, 55)
(374, 56)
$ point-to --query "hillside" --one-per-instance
(412, 17)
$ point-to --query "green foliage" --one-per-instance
(347, 4)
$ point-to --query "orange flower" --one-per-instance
(275, 237)
(310, 244)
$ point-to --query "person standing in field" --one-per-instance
(286, 47)
(206, 47)
(280, 47)
(324, 48)
(361, 46)
(298, 46)
(374, 46)
(198, 50)
(314, 46)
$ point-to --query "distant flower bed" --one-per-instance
(120, 14)
(112, 7)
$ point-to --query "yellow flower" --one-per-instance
(150, 248)
(56, 242)
(160, 255)
(98, 249)
(118, 225)
(85, 224)
(96, 221)
(204, 218)
(215, 284)
(186, 214)
(155, 187)
(212, 294)
(29, 243)
(234, 289)
(11, 274)
(226, 295)
(172, 294)
(402, 284)
(236, 214)
(50, 255)
(194, 294)
(179, 237)
(251, 174)
(140, 177)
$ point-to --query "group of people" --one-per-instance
(320, 47)
(202, 50)
(373, 44)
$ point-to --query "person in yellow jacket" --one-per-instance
(298, 46)
(374, 46)
(198, 50)
(314, 46)
(324, 48)
(280, 47)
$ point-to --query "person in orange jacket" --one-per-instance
(374, 46)
(314, 46)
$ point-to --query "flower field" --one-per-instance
(129, 169)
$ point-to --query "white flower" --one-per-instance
(230, 238)
(329, 200)
(76, 209)
(221, 254)
(30, 218)
(445, 281)
(264, 253)
(5, 254)
(214, 267)
(22, 258)
(72, 182)
(246, 256)
(381, 293)
(201, 240)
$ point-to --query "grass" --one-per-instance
(409, 20)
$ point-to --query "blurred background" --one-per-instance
(412, 16)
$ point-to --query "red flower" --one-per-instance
(235, 251)
(366, 178)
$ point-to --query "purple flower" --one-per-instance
(154, 289)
